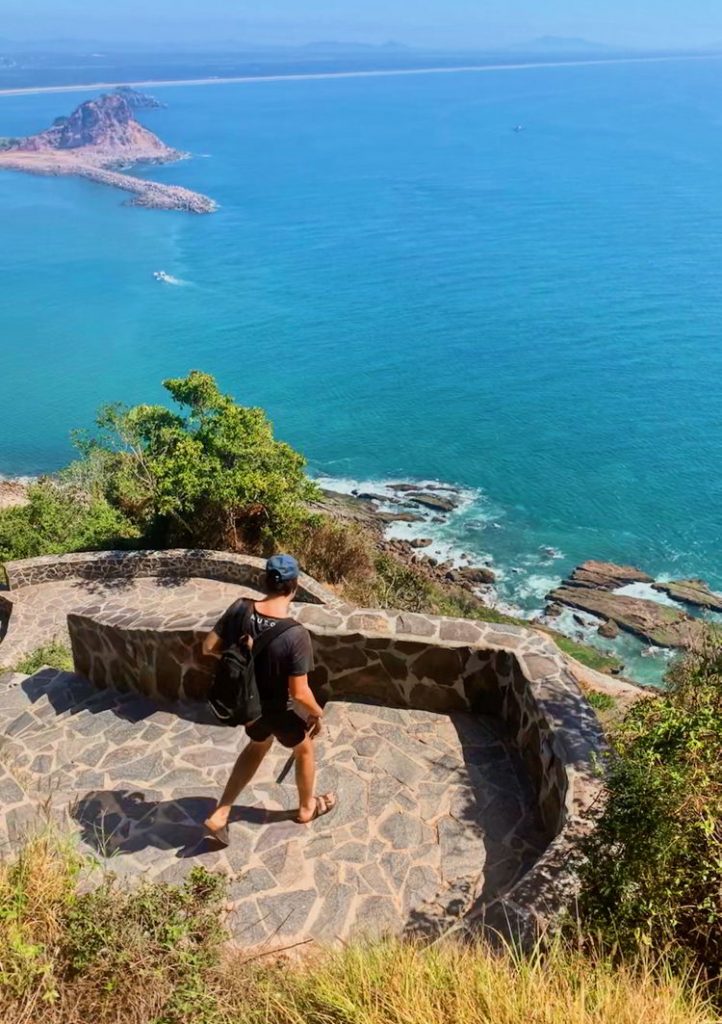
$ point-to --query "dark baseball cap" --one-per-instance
(282, 568)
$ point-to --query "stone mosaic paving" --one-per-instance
(434, 810)
(39, 612)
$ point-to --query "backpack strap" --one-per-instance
(261, 642)
(240, 616)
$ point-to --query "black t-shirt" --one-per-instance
(290, 654)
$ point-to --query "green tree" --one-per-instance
(210, 474)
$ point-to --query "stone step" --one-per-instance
(60, 728)
(48, 692)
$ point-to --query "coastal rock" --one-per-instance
(476, 575)
(399, 517)
(421, 542)
(370, 496)
(609, 629)
(656, 623)
(433, 501)
(606, 576)
(693, 592)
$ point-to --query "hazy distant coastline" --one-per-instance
(366, 73)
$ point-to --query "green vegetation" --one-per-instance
(654, 863)
(587, 655)
(54, 655)
(62, 517)
(393, 584)
(71, 953)
(601, 701)
(7, 143)
(211, 475)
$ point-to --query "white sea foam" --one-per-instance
(442, 529)
(4, 478)
(647, 593)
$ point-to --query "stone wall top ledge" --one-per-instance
(224, 566)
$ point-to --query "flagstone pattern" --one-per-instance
(138, 636)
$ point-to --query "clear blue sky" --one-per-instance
(445, 23)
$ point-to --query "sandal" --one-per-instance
(220, 836)
(324, 805)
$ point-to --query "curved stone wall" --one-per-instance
(404, 660)
(243, 570)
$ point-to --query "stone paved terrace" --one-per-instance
(44, 591)
(463, 754)
(39, 612)
(435, 811)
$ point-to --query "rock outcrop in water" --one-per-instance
(591, 586)
(692, 592)
(606, 576)
(97, 138)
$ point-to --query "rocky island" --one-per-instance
(98, 140)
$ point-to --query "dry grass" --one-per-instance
(335, 551)
(157, 956)
(400, 983)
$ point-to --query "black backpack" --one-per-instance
(234, 697)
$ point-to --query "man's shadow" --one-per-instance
(116, 822)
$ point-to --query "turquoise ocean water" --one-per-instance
(413, 290)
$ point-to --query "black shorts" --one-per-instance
(288, 728)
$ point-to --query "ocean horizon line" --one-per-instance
(370, 73)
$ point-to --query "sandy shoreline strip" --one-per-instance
(379, 73)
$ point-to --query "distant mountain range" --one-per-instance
(338, 46)
(564, 45)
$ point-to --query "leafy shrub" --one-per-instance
(654, 869)
(601, 701)
(159, 937)
(60, 518)
(70, 953)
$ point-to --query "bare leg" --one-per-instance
(248, 762)
(305, 778)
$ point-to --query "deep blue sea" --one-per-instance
(412, 289)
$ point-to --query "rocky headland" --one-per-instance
(139, 100)
(98, 139)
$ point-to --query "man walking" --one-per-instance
(282, 675)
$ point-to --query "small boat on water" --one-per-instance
(160, 275)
